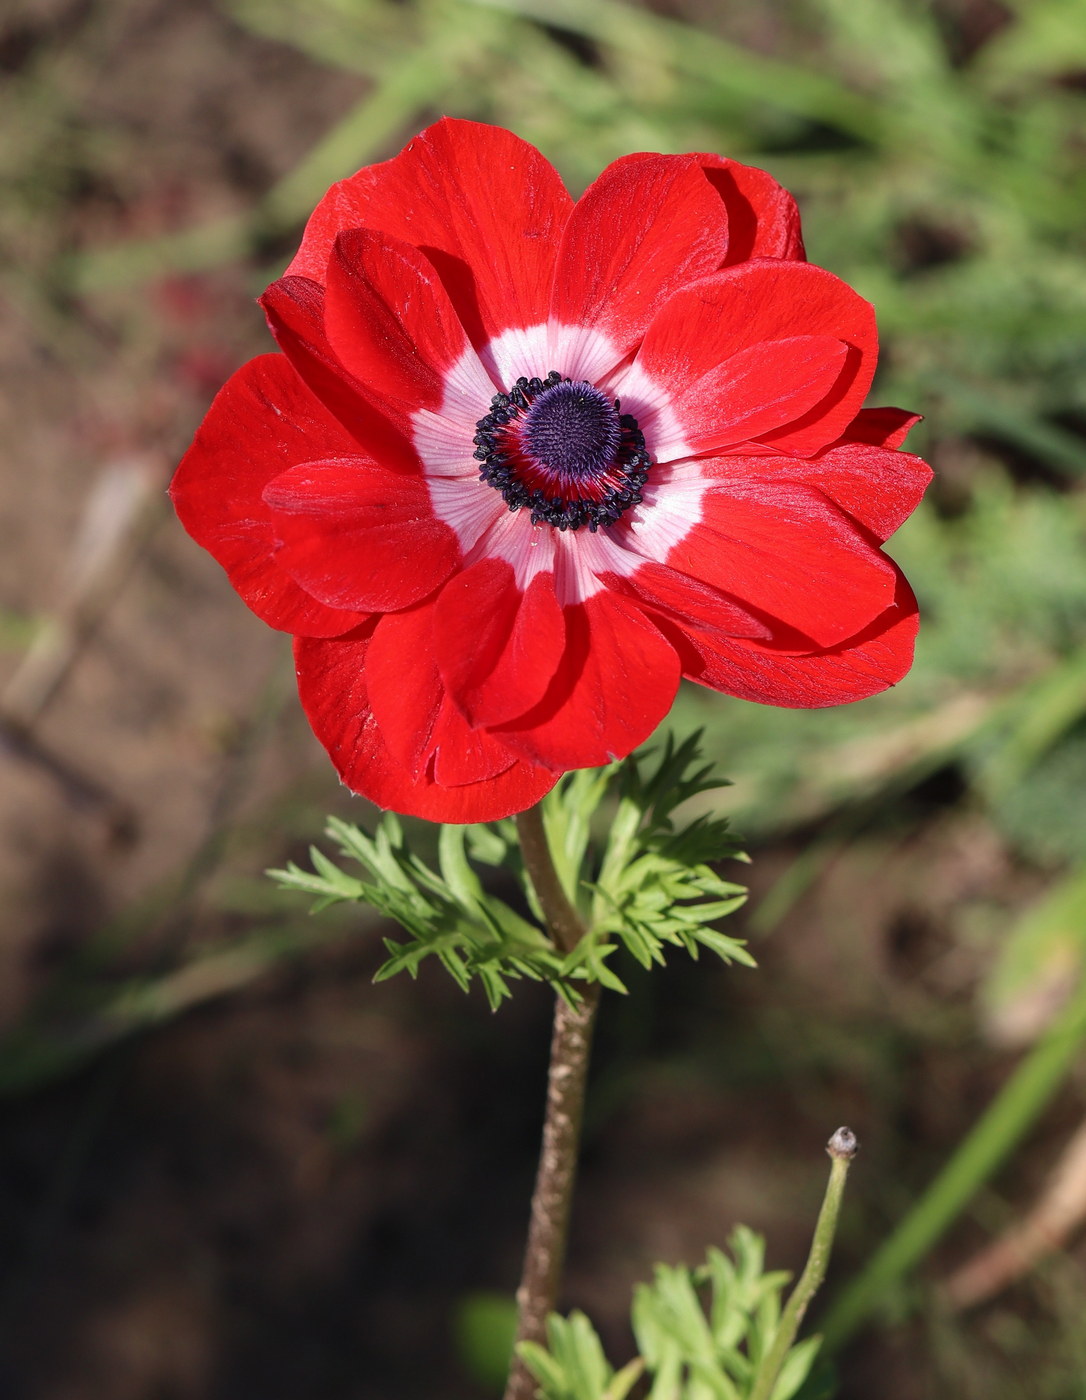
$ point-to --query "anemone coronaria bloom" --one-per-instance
(524, 463)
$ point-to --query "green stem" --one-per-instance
(571, 1045)
(842, 1148)
(1002, 1126)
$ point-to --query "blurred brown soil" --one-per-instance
(288, 1191)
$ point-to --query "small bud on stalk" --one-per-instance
(844, 1145)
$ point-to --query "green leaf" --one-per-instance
(484, 1327)
(574, 1366)
(647, 886)
(701, 1334)
(624, 1381)
(455, 867)
(797, 1368)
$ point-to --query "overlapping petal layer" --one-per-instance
(391, 324)
(612, 651)
(763, 221)
(456, 652)
(485, 207)
(355, 535)
(879, 488)
(497, 646)
(742, 312)
(645, 228)
(788, 553)
(333, 687)
(861, 666)
(294, 307)
(262, 422)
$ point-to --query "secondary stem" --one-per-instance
(571, 1044)
(1000, 1128)
(842, 1149)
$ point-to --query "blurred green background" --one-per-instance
(230, 1167)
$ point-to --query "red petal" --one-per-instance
(768, 300)
(616, 681)
(405, 690)
(295, 311)
(464, 755)
(865, 664)
(761, 388)
(332, 684)
(390, 321)
(484, 206)
(881, 427)
(421, 726)
(763, 221)
(262, 420)
(787, 552)
(356, 535)
(877, 487)
(497, 648)
(661, 589)
(646, 227)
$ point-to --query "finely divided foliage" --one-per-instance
(701, 1335)
(649, 886)
(524, 463)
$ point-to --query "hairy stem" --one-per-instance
(564, 924)
(571, 1044)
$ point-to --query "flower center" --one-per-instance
(562, 450)
(572, 430)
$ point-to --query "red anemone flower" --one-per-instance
(525, 463)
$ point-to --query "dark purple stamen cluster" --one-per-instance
(573, 428)
(562, 450)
